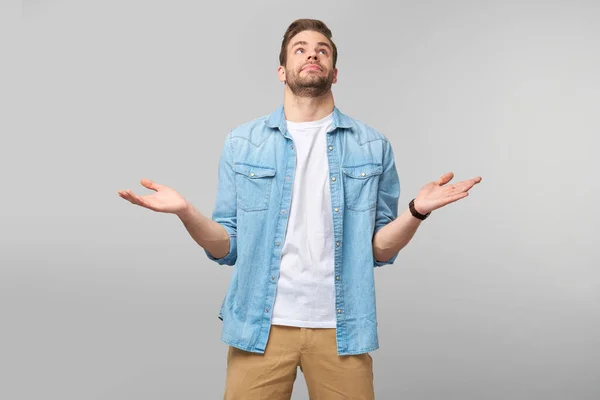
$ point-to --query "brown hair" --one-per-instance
(300, 25)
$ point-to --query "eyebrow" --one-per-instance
(303, 43)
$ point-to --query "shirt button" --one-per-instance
(337, 244)
(292, 147)
(330, 148)
(277, 244)
(362, 174)
(333, 178)
(251, 173)
(272, 278)
(287, 178)
(337, 277)
(267, 309)
(339, 311)
(336, 209)
(283, 211)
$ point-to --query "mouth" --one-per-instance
(311, 67)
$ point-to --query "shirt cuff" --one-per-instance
(229, 258)
(382, 263)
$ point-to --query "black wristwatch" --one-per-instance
(415, 213)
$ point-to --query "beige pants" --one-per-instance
(271, 376)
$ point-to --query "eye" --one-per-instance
(323, 51)
(298, 51)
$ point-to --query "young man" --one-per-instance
(307, 206)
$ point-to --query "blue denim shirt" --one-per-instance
(256, 174)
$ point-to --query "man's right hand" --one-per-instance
(165, 199)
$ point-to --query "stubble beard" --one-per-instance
(309, 86)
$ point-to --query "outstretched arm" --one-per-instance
(209, 234)
(217, 236)
(391, 238)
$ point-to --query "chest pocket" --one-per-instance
(253, 184)
(361, 183)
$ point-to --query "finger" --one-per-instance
(139, 201)
(447, 177)
(473, 181)
(464, 185)
(134, 198)
(456, 197)
(126, 194)
(123, 194)
(150, 184)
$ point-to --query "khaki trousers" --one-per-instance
(271, 376)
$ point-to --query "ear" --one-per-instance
(335, 72)
(281, 73)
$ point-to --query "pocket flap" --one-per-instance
(363, 171)
(253, 171)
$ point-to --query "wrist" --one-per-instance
(186, 212)
(419, 207)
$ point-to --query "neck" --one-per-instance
(306, 109)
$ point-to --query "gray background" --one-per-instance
(497, 296)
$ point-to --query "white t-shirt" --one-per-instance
(305, 294)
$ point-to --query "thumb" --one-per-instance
(447, 177)
(150, 185)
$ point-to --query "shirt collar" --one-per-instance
(277, 119)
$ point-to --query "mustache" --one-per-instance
(312, 63)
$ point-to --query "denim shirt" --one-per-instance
(255, 178)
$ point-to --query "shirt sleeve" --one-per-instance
(387, 197)
(225, 211)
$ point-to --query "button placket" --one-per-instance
(282, 221)
(338, 222)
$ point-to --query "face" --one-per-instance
(309, 68)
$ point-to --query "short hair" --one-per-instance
(301, 25)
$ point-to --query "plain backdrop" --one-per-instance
(497, 296)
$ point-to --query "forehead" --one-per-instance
(310, 37)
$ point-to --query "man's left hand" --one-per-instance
(437, 194)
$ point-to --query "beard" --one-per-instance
(309, 84)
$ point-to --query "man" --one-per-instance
(307, 206)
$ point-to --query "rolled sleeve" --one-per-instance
(231, 257)
(387, 197)
(225, 211)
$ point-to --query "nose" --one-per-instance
(313, 55)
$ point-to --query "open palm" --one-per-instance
(164, 199)
(437, 194)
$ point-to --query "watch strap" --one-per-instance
(415, 213)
